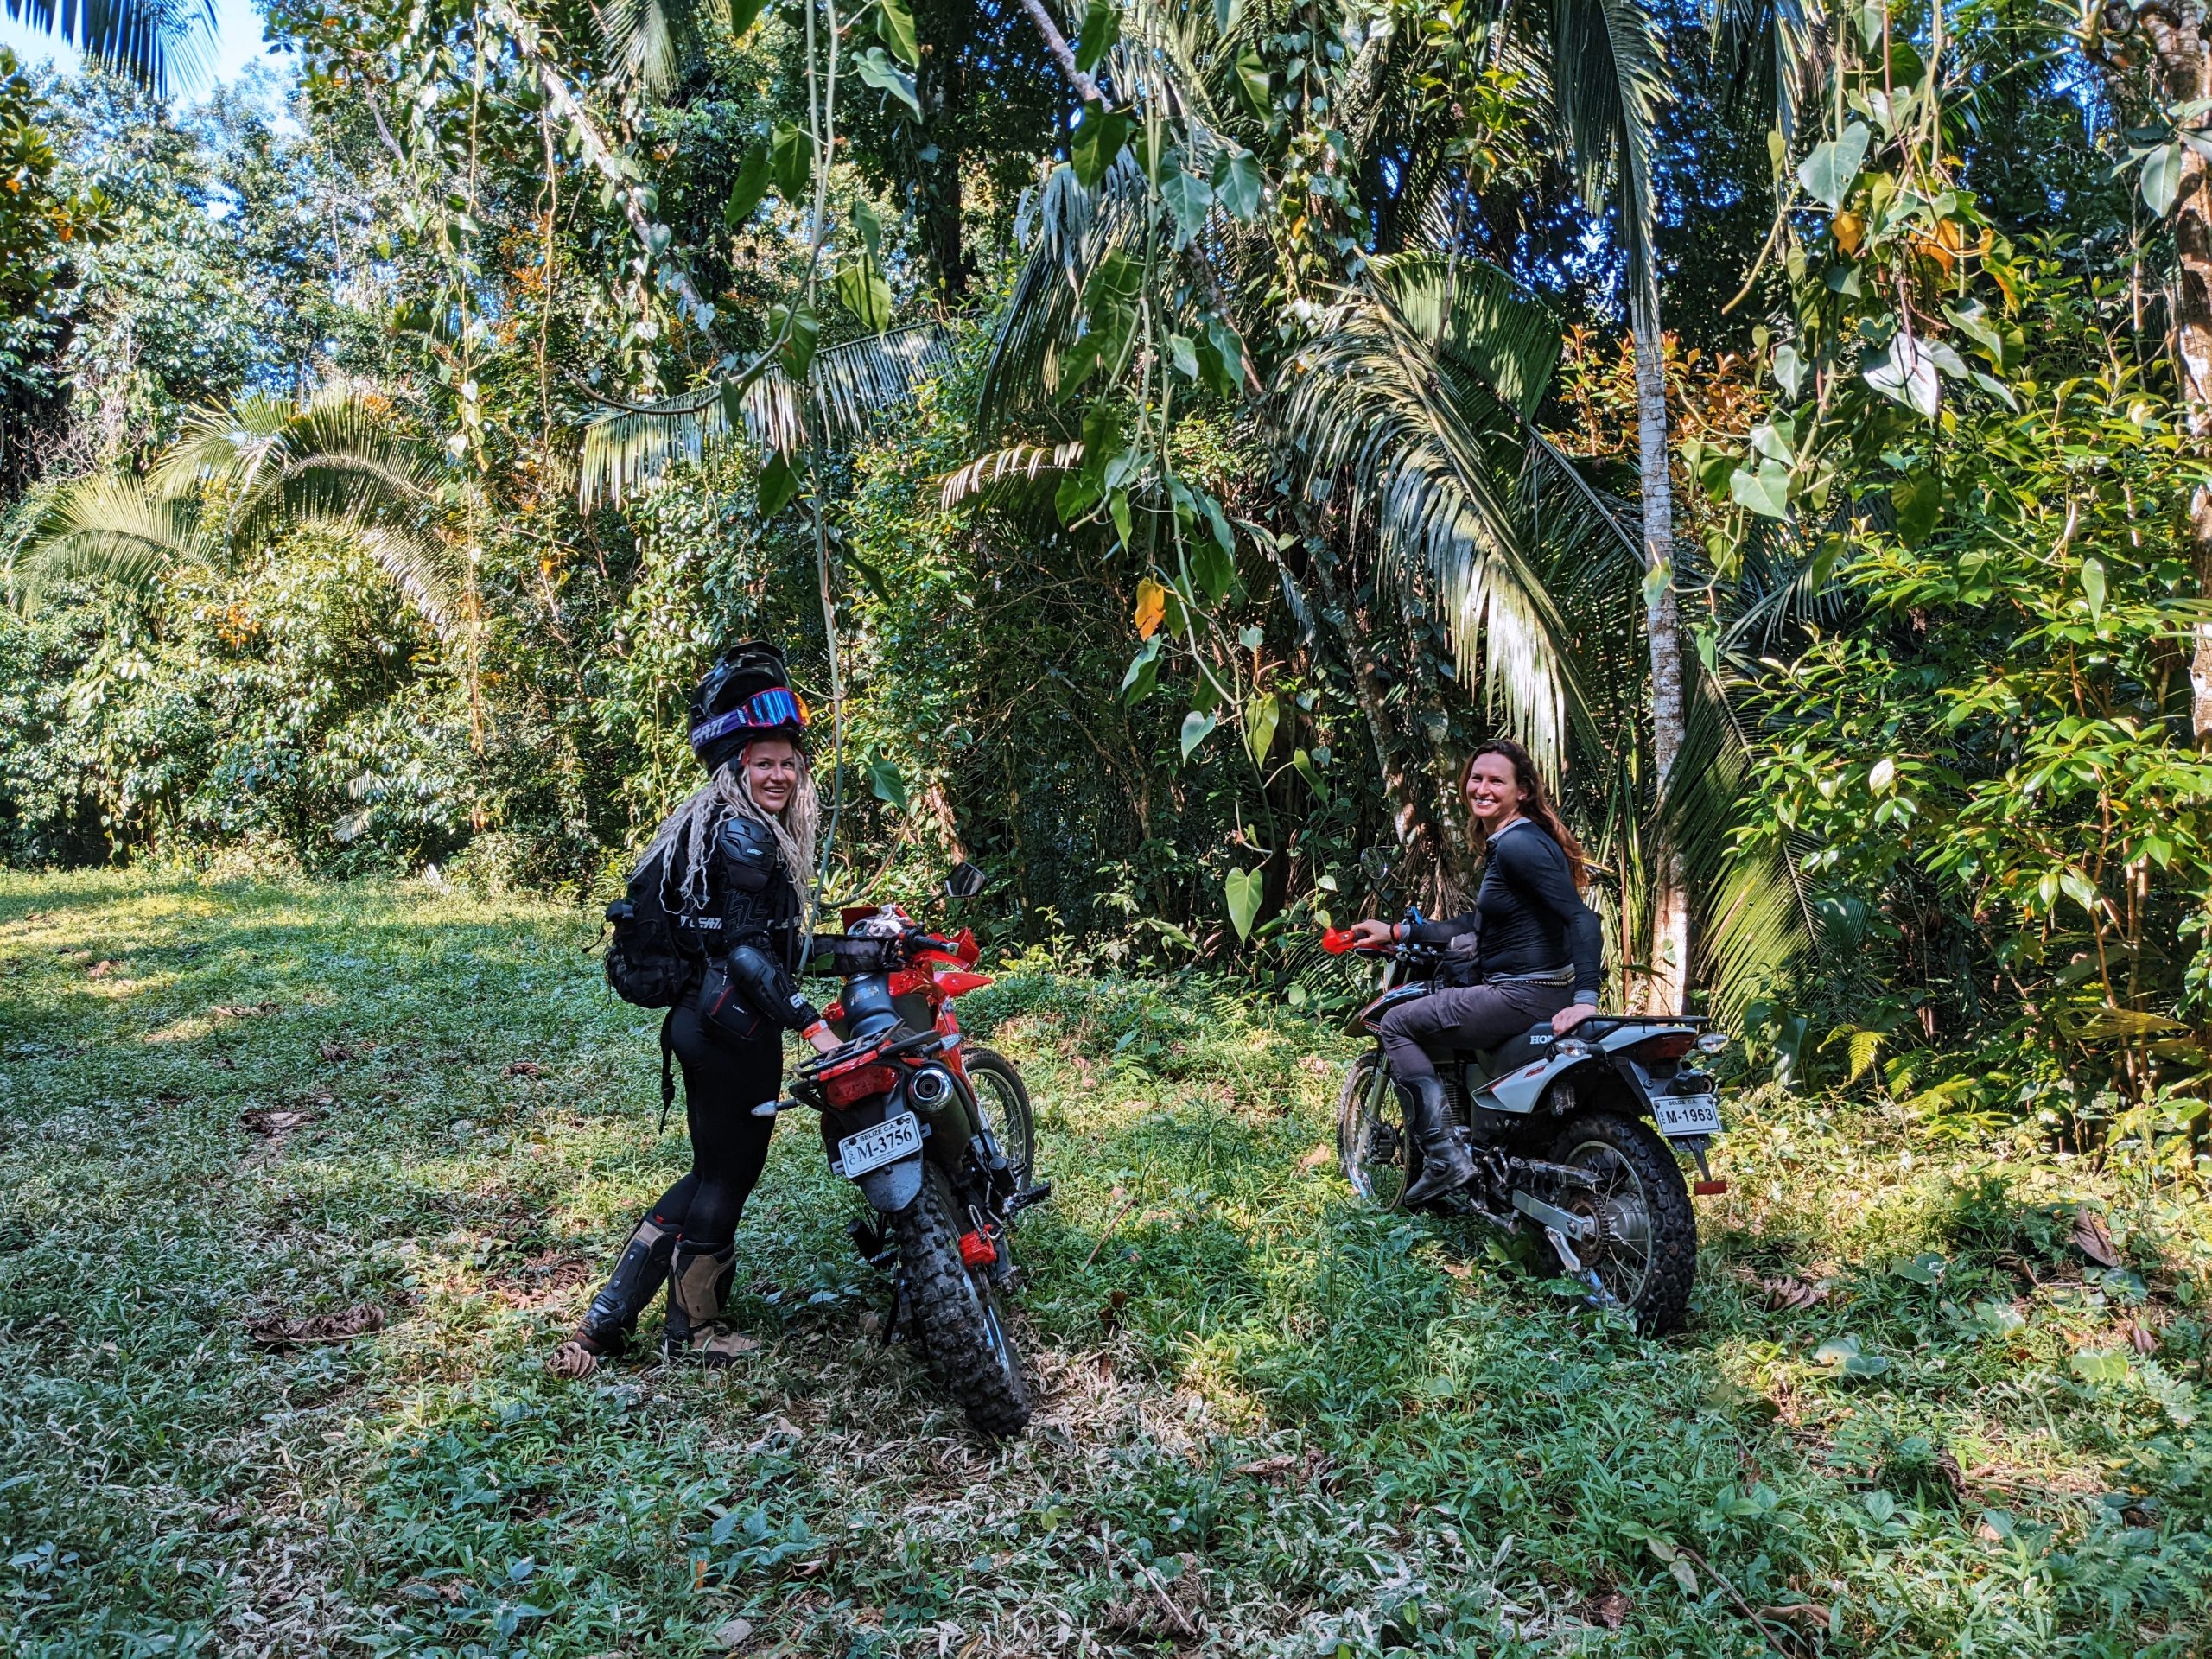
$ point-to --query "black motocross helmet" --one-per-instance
(745, 695)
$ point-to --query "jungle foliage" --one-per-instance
(1167, 436)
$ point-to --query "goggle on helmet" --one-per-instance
(777, 707)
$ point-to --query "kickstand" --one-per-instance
(895, 1316)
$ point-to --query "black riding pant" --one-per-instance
(724, 1078)
(1478, 1016)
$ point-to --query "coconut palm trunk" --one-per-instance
(1665, 982)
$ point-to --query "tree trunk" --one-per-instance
(2181, 75)
(1664, 983)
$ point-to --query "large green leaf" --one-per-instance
(1827, 173)
(864, 292)
(1100, 137)
(790, 160)
(1243, 890)
(1102, 27)
(1261, 716)
(894, 26)
(879, 72)
(750, 186)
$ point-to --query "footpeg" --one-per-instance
(1037, 1192)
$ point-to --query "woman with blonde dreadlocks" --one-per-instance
(739, 855)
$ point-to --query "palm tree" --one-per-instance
(1413, 389)
(239, 477)
(144, 39)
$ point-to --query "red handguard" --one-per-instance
(1337, 940)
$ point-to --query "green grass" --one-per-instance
(1270, 1422)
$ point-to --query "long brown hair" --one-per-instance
(1536, 805)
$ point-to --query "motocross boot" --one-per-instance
(1445, 1164)
(612, 1319)
(698, 1290)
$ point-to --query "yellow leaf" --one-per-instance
(1850, 231)
(1152, 605)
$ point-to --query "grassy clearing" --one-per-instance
(1271, 1423)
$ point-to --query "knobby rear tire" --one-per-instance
(967, 1345)
(1664, 1296)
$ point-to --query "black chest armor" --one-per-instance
(750, 899)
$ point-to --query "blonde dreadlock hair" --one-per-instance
(726, 795)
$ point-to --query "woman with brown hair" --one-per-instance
(1530, 950)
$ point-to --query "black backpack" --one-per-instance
(649, 962)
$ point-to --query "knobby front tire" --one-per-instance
(963, 1336)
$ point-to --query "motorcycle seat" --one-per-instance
(1530, 1045)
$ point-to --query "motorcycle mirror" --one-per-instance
(964, 881)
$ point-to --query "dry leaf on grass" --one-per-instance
(261, 1121)
(2142, 1338)
(733, 1634)
(2093, 1239)
(102, 969)
(1787, 1293)
(1316, 1065)
(241, 1010)
(1267, 1468)
(1462, 1271)
(1317, 1159)
(1147, 1612)
(334, 1052)
(532, 1069)
(274, 1331)
(1611, 1609)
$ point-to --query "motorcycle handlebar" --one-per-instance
(1342, 941)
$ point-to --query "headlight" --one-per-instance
(1712, 1042)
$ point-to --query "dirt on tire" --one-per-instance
(958, 1316)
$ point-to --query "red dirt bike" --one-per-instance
(938, 1135)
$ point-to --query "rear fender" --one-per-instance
(893, 1186)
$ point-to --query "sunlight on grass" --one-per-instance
(1909, 1415)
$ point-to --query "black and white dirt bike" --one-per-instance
(1576, 1137)
(937, 1135)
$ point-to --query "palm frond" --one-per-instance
(424, 575)
(1072, 231)
(1608, 80)
(1370, 405)
(114, 528)
(147, 40)
(1755, 920)
(1477, 315)
(638, 37)
(1024, 462)
(850, 389)
(1776, 53)
(226, 442)
(853, 388)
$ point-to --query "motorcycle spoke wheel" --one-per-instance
(1372, 1147)
(1645, 1257)
(1003, 1100)
(1620, 1258)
